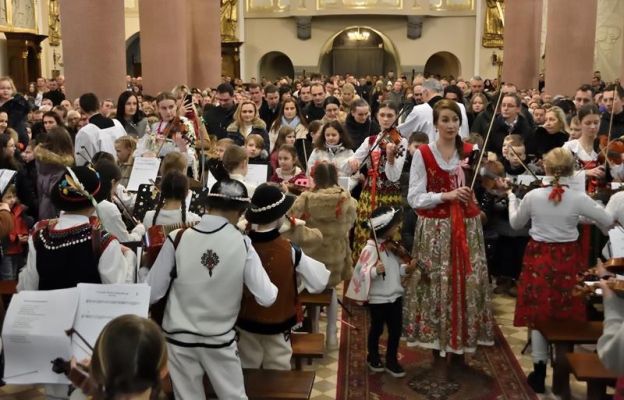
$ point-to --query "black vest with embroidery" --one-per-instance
(66, 257)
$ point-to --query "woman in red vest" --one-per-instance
(448, 310)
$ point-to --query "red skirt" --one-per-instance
(546, 283)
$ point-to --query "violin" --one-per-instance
(611, 151)
(79, 376)
(392, 135)
(176, 125)
(614, 265)
(396, 248)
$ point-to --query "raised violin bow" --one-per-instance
(370, 223)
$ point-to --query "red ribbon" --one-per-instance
(556, 193)
(460, 269)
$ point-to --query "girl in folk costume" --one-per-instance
(331, 209)
(449, 312)
(585, 151)
(377, 280)
(265, 331)
(171, 208)
(171, 134)
(384, 155)
(552, 258)
(333, 145)
(289, 115)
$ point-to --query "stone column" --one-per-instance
(523, 26)
(164, 44)
(570, 45)
(205, 43)
(94, 54)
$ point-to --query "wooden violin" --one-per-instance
(396, 248)
(392, 135)
(614, 265)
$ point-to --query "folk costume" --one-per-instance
(551, 262)
(450, 311)
(204, 276)
(382, 186)
(265, 331)
(382, 292)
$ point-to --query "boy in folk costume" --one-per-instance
(265, 332)
(204, 269)
(73, 249)
(377, 280)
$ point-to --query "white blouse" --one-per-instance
(552, 222)
(575, 147)
(615, 207)
(417, 195)
(393, 171)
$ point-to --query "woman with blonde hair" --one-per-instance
(554, 133)
(247, 121)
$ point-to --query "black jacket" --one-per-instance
(17, 109)
(359, 132)
(313, 113)
(217, 120)
(618, 125)
(500, 130)
(268, 115)
(541, 142)
(55, 95)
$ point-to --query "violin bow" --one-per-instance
(124, 209)
(606, 149)
(485, 142)
(72, 331)
(509, 147)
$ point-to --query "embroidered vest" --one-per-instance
(382, 183)
(276, 257)
(206, 293)
(439, 181)
(67, 257)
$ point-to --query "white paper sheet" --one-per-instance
(256, 174)
(5, 178)
(99, 304)
(616, 242)
(144, 170)
(211, 180)
(527, 179)
(616, 185)
(34, 334)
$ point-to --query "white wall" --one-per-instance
(452, 34)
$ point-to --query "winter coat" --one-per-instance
(50, 168)
(21, 225)
(17, 109)
(332, 211)
(339, 157)
(258, 127)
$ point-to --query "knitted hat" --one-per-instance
(268, 204)
(228, 194)
(78, 189)
(383, 218)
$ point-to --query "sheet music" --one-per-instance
(144, 170)
(211, 180)
(616, 242)
(616, 185)
(6, 175)
(256, 174)
(99, 304)
(527, 179)
(34, 334)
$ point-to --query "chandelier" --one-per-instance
(358, 35)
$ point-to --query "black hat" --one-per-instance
(383, 218)
(78, 189)
(228, 194)
(268, 204)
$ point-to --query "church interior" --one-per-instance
(559, 62)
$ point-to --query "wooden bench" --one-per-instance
(307, 345)
(264, 384)
(564, 335)
(587, 367)
(313, 302)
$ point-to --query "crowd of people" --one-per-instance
(357, 171)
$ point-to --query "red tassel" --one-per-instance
(556, 194)
(339, 206)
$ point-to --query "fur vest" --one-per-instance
(333, 212)
(50, 168)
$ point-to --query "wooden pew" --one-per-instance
(264, 384)
(564, 335)
(307, 345)
(587, 367)
(313, 301)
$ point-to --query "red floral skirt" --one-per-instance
(546, 283)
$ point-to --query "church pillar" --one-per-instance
(523, 26)
(570, 45)
(204, 44)
(93, 47)
(164, 44)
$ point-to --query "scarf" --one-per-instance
(293, 122)
(334, 148)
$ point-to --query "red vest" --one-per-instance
(440, 181)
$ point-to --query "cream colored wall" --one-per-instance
(132, 24)
(4, 59)
(486, 69)
(452, 34)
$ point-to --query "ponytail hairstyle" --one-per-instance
(324, 175)
(446, 104)
(558, 162)
(174, 186)
(129, 357)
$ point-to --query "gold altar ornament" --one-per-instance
(494, 24)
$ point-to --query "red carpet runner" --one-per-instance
(494, 372)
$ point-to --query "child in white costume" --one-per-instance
(205, 274)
